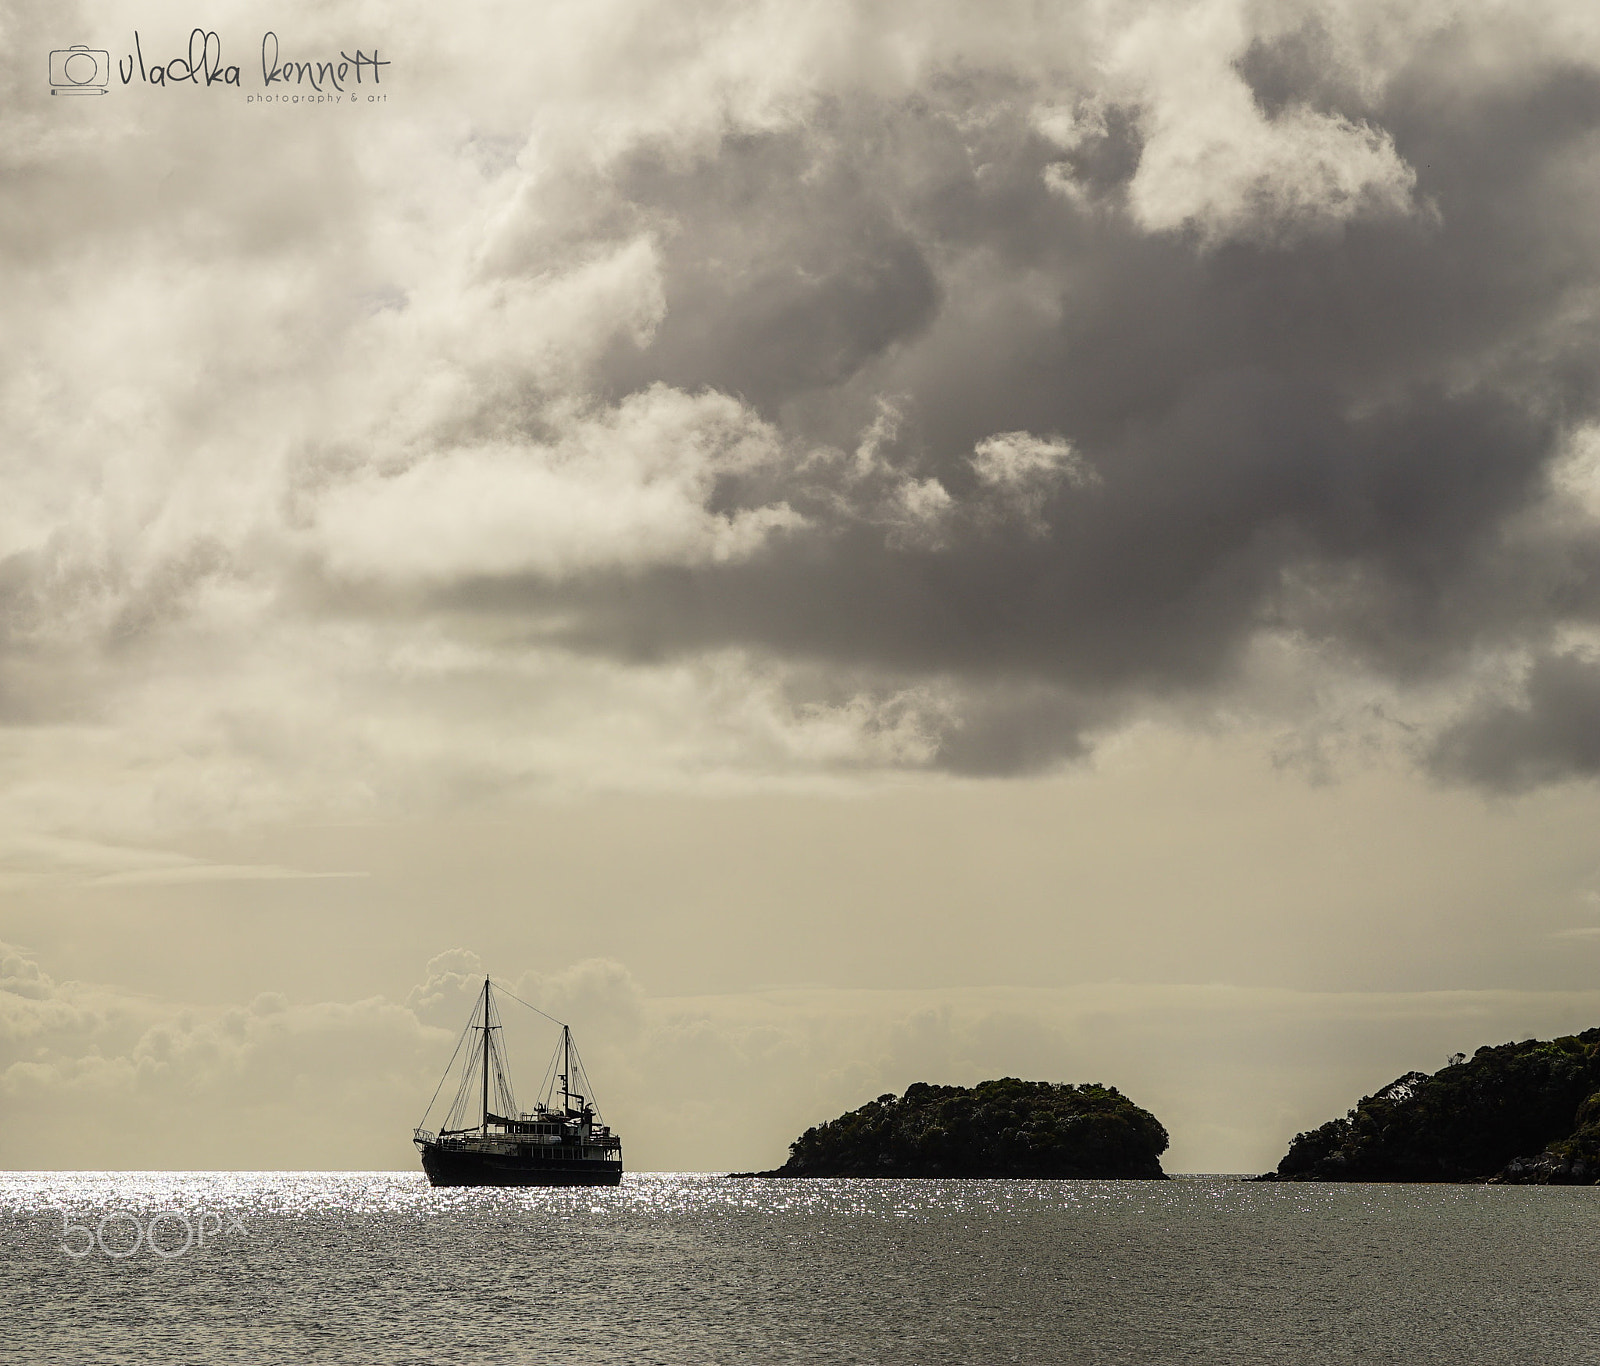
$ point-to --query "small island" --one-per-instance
(1004, 1128)
(1519, 1113)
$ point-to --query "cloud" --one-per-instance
(748, 395)
(1550, 734)
(451, 980)
(184, 1078)
(21, 976)
(1023, 471)
(31, 858)
(208, 872)
(628, 487)
(589, 991)
(281, 1082)
(1215, 162)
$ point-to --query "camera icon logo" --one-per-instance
(79, 70)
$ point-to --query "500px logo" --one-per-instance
(167, 1222)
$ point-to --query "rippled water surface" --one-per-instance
(378, 1267)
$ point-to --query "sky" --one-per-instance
(829, 546)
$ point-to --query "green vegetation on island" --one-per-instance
(1518, 1113)
(1004, 1128)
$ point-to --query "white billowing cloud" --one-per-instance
(22, 977)
(450, 981)
(595, 992)
(871, 486)
(1016, 473)
(1215, 162)
(1241, 176)
(916, 511)
(626, 487)
(189, 1082)
(463, 346)
(1014, 460)
(1576, 476)
(1068, 127)
(1022, 470)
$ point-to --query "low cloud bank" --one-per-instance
(95, 1077)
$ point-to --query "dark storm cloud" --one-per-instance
(1011, 730)
(1325, 431)
(1301, 66)
(1552, 734)
(785, 268)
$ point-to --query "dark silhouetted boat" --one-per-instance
(550, 1145)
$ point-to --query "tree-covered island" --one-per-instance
(1518, 1113)
(1004, 1128)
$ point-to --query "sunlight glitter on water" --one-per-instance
(351, 1267)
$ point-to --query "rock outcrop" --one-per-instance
(1004, 1128)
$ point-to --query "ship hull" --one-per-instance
(458, 1167)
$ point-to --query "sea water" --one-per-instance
(352, 1267)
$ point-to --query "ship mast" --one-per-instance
(566, 1070)
(486, 1037)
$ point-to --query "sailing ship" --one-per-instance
(550, 1145)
